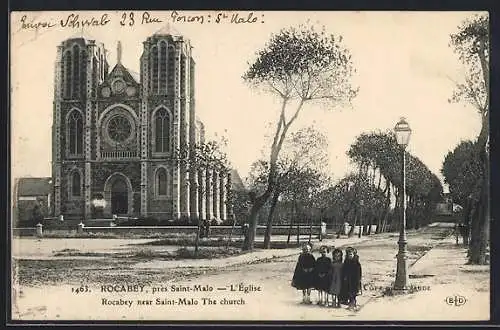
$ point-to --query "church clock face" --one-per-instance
(119, 128)
(119, 86)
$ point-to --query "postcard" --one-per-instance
(249, 165)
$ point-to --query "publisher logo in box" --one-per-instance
(456, 300)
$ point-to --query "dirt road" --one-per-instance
(256, 291)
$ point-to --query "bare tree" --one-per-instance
(298, 65)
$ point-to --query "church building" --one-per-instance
(127, 143)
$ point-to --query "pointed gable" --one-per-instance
(120, 71)
(120, 82)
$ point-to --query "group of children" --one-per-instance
(337, 281)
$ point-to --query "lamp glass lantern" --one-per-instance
(403, 132)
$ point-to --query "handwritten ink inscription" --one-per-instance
(130, 19)
(74, 21)
(234, 18)
(146, 18)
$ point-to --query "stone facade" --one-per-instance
(125, 145)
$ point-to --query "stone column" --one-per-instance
(209, 195)
(202, 200)
(229, 205)
(216, 193)
(223, 195)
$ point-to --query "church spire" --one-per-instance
(119, 52)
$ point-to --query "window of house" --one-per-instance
(162, 130)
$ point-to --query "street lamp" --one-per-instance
(403, 132)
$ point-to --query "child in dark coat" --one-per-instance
(303, 276)
(322, 272)
(336, 277)
(351, 277)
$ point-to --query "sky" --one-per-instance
(405, 68)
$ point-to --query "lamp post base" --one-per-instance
(401, 282)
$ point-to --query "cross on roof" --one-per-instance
(119, 53)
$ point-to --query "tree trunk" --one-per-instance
(252, 219)
(269, 225)
(479, 236)
(383, 219)
(396, 214)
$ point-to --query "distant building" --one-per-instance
(236, 182)
(127, 140)
(28, 192)
(446, 207)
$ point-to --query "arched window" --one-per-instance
(161, 182)
(171, 68)
(75, 184)
(95, 77)
(154, 69)
(162, 131)
(183, 75)
(75, 130)
(163, 67)
(67, 75)
(101, 61)
(75, 91)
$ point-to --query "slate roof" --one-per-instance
(34, 186)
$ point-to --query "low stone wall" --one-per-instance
(214, 230)
(105, 228)
(155, 230)
(25, 231)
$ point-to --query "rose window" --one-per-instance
(119, 128)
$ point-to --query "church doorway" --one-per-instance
(119, 196)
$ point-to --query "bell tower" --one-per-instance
(165, 78)
(80, 67)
